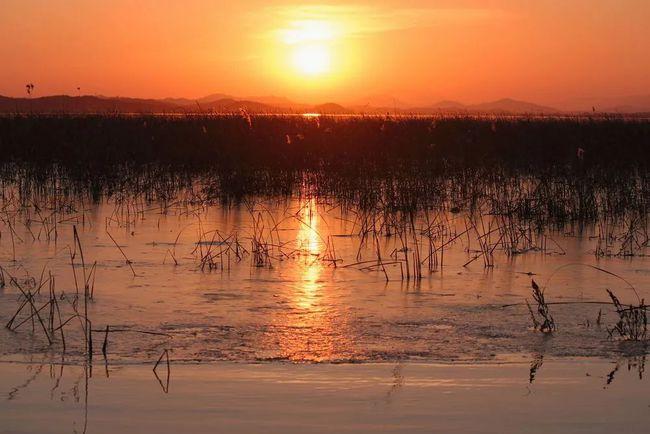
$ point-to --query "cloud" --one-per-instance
(359, 20)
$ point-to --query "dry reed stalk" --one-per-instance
(546, 324)
(128, 261)
(632, 324)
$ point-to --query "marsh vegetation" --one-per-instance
(190, 239)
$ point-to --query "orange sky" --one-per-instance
(547, 51)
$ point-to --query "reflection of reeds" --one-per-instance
(218, 252)
(632, 321)
(545, 323)
(633, 362)
(260, 248)
(127, 260)
(535, 366)
(407, 201)
(28, 300)
(164, 385)
(51, 306)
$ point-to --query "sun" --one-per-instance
(313, 51)
(310, 44)
(311, 60)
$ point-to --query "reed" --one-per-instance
(545, 323)
(632, 324)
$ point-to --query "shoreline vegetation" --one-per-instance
(383, 143)
(411, 188)
(553, 170)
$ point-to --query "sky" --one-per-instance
(546, 51)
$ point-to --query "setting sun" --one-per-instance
(312, 59)
(310, 46)
(360, 216)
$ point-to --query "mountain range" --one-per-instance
(223, 103)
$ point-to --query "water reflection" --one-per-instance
(298, 305)
(315, 328)
(308, 294)
(62, 400)
(310, 268)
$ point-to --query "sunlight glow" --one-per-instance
(312, 59)
(310, 243)
(303, 31)
(312, 52)
(310, 44)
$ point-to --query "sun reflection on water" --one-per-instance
(313, 327)
(310, 245)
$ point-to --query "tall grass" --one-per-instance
(347, 144)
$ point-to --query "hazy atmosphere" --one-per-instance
(386, 217)
(567, 54)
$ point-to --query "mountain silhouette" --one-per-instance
(223, 103)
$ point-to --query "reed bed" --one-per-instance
(232, 142)
(410, 188)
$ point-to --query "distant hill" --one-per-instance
(229, 105)
(214, 97)
(222, 103)
(198, 102)
(277, 101)
(96, 104)
(508, 105)
(380, 102)
(502, 106)
(630, 104)
(449, 105)
(180, 101)
(441, 107)
(99, 104)
(330, 108)
(83, 104)
(623, 104)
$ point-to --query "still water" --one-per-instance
(297, 280)
(303, 310)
